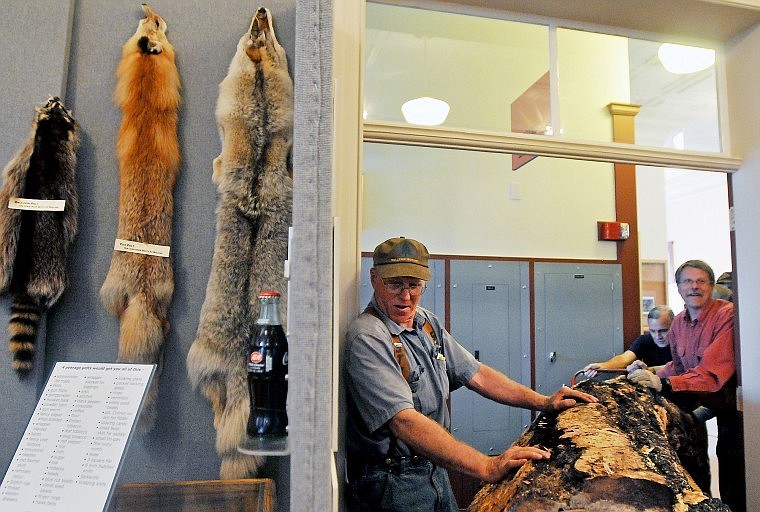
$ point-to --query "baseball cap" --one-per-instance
(401, 257)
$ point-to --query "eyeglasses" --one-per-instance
(398, 287)
(690, 282)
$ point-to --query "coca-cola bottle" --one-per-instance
(268, 371)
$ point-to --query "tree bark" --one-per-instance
(625, 453)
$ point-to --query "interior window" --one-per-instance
(457, 71)
(477, 66)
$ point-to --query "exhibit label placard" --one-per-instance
(74, 443)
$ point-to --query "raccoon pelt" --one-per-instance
(139, 287)
(255, 118)
(34, 244)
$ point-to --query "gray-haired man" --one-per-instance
(400, 366)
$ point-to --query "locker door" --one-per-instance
(579, 319)
(433, 299)
(489, 310)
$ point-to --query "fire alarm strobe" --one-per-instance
(613, 230)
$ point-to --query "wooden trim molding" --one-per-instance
(541, 145)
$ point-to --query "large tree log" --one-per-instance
(618, 455)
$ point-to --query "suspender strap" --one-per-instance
(400, 354)
(398, 348)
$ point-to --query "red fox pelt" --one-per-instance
(34, 244)
(139, 287)
(255, 117)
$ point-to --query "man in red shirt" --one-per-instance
(702, 371)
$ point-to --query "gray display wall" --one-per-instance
(36, 62)
(29, 73)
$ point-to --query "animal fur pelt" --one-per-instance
(255, 118)
(139, 287)
(626, 453)
(34, 244)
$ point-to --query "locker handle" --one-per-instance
(552, 357)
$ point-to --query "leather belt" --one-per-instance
(359, 466)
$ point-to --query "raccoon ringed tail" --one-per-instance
(22, 329)
(141, 341)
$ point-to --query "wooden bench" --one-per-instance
(244, 495)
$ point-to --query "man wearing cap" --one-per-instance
(400, 366)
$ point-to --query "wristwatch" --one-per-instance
(666, 387)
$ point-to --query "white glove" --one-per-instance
(645, 378)
(591, 370)
(636, 365)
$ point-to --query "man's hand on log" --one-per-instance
(645, 378)
(498, 467)
(566, 397)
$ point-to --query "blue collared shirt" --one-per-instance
(377, 390)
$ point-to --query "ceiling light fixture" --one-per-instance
(681, 59)
(425, 110)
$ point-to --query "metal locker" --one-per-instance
(489, 303)
(578, 319)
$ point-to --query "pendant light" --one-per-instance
(425, 110)
(681, 59)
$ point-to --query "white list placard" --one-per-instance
(74, 443)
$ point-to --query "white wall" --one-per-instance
(347, 58)
(672, 213)
(458, 202)
(593, 72)
(650, 202)
(697, 223)
(743, 73)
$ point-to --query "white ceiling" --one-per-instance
(695, 20)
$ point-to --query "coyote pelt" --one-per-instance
(255, 117)
(139, 287)
(34, 244)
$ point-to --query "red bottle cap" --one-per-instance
(268, 293)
